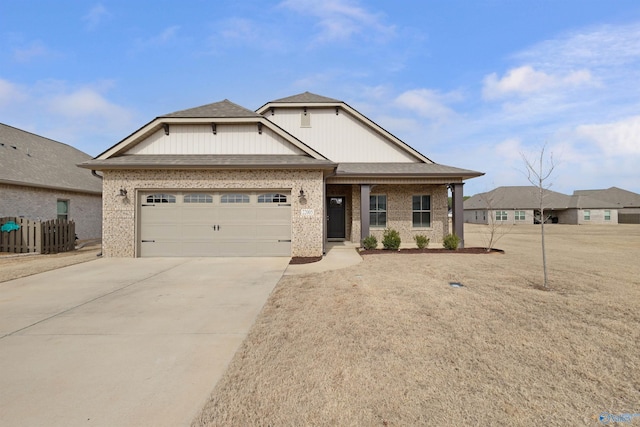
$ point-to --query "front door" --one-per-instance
(336, 217)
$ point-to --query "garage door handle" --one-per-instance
(147, 205)
(280, 241)
(148, 241)
(284, 204)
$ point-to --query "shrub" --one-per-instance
(451, 242)
(421, 241)
(370, 242)
(391, 239)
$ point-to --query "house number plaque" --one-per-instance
(306, 212)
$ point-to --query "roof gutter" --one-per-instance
(94, 173)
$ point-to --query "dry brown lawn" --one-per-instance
(388, 342)
(13, 266)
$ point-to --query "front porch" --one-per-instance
(355, 211)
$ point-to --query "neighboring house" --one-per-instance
(39, 180)
(521, 205)
(628, 203)
(222, 180)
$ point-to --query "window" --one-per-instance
(63, 209)
(161, 198)
(421, 207)
(519, 215)
(198, 198)
(607, 215)
(378, 211)
(501, 215)
(234, 198)
(272, 198)
(587, 215)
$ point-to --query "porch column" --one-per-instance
(365, 190)
(458, 211)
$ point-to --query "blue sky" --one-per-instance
(472, 84)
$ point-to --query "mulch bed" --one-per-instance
(309, 260)
(304, 259)
(431, 251)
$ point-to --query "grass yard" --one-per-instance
(388, 342)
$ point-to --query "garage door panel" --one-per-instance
(215, 229)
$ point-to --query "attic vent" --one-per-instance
(305, 120)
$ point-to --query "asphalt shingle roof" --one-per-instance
(32, 160)
(409, 169)
(222, 109)
(307, 97)
(622, 198)
(194, 161)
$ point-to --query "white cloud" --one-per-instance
(96, 16)
(526, 80)
(340, 20)
(165, 37)
(81, 116)
(10, 93)
(33, 50)
(428, 103)
(620, 138)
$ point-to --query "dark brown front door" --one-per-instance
(336, 217)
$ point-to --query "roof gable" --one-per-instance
(32, 160)
(219, 113)
(623, 198)
(369, 135)
(222, 109)
(306, 97)
(517, 197)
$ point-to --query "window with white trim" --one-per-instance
(607, 215)
(161, 198)
(234, 198)
(272, 198)
(198, 198)
(587, 215)
(421, 210)
(63, 209)
(520, 216)
(501, 215)
(378, 210)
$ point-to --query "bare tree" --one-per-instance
(495, 229)
(538, 172)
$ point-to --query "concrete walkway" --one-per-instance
(125, 342)
(339, 255)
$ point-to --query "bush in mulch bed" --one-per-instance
(432, 251)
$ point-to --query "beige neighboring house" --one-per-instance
(628, 202)
(222, 180)
(39, 180)
(521, 205)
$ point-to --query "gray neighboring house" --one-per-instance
(628, 202)
(520, 205)
(39, 180)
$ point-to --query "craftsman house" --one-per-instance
(39, 180)
(222, 180)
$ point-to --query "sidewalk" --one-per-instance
(339, 255)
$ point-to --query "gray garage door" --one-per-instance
(202, 223)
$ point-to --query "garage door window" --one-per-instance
(272, 198)
(161, 198)
(198, 198)
(234, 198)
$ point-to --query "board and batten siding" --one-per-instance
(341, 137)
(229, 139)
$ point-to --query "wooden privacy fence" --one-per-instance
(45, 237)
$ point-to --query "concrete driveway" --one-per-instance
(125, 342)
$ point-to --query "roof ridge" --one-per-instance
(224, 108)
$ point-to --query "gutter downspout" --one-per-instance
(94, 173)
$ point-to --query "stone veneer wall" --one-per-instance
(400, 214)
(41, 204)
(120, 215)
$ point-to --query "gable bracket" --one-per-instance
(259, 128)
(166, 128)
(214, 129)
